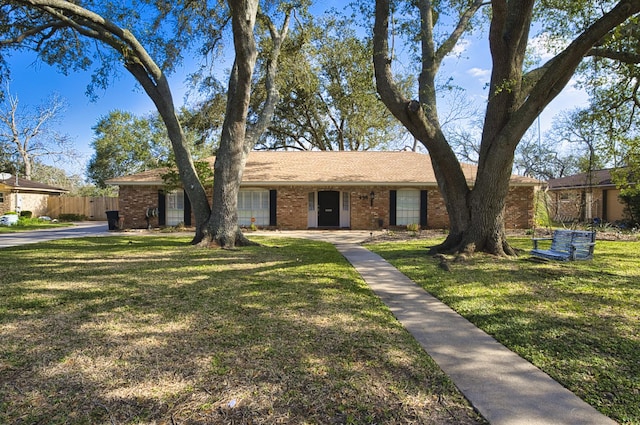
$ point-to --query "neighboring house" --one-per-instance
(18, 194)
(302, 190)
(584, 197)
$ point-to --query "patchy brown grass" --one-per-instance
(150, 330)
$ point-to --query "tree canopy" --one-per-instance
(127, 144)
(328, 99)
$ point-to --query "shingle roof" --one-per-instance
(343, 168)
(596, 178)
(24, 185)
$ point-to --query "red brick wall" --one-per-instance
(519, 208)
(292, 206)
(134, 201)
(364, 215)
(437, 217)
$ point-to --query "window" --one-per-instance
(175, 208)
(1, 197)
(407, 207)
(312, 201)
(253, 207)
(345, 201)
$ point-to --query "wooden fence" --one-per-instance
(91, 208)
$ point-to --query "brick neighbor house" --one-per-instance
(584, 197)
(18, 194)
(329, 190)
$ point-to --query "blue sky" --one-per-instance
(33, 83)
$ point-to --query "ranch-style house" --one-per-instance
(585, 197)
(19, 194)
(321, 190)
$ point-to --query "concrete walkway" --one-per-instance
(502, 386)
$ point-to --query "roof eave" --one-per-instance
(574, 187)
(18, 189)
(134, 183)
(334, 183)
(280, 183)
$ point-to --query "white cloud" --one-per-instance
(479, 73)
(461, 47)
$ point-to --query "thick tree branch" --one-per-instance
(625, 57)
(269, 107)
(31, 32)
(463, 23)
(140, 64)
(557, 72)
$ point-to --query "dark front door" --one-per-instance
(329, 209)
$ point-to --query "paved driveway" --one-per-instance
(78, 230)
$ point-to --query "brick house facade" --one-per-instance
(584, 197)
(306, 190)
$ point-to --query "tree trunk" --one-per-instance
(237, 139)
(161, 96)
(222, 227)
(486, 231)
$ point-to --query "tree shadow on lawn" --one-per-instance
(101, 330)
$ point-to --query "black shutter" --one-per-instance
(162, 208)
(423, 208)
(392, 207)
(273, 210)
(187, 210)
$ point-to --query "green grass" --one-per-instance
(151, 330)
(27, 224)
(577, 321)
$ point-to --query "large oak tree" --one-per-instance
(516, 95)
(62, 34)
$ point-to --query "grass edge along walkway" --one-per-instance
(505, 388)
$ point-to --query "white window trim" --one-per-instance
(174, 213)
(258, 215)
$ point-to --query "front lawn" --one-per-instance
(577, 321)
(120, 330)
(27, 224)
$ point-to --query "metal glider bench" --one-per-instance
(567, 245)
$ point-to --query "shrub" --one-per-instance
(413, 227)
(26, 214)
(72, 217)
(631, 200)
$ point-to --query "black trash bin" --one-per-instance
(112, 218)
